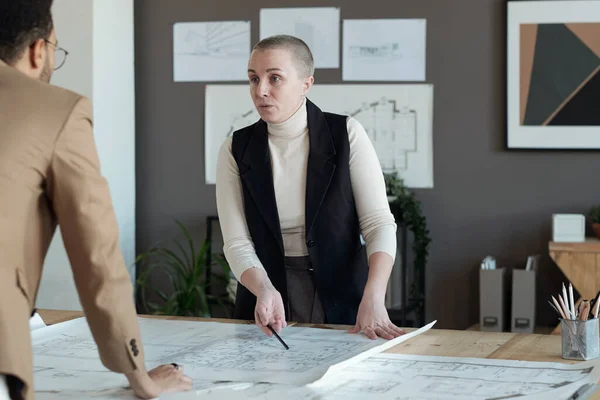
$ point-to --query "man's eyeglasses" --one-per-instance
(60, 55)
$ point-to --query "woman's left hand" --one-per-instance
(373, 320)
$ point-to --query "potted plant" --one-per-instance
(595, 217)
(407, 210)
(185, 271)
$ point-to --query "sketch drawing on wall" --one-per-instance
(397, 119)
(381, 53)
(384, 50)
(210, 51)
(318, 27)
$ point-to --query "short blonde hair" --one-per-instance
(299, 49)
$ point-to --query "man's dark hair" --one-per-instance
(22, 22)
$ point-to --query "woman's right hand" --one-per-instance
(269, 310)
(269, 305)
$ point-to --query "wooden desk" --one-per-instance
(435, 342)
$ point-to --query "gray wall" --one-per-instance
(485, 200)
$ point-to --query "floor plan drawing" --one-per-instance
(388, 376)
(213, 355)
(403, 377)
(392, 130)
(211, 51)
(397, 118)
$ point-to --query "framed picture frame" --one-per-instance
(553, 74)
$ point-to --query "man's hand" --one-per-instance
(165, 378)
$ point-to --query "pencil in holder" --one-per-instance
(580, 339)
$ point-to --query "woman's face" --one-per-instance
(276, 87)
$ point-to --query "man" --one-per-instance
(49, 175)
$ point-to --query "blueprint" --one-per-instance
(66, 361)
(211, 51)
(407, 377)
(397, 118)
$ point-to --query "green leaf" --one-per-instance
(188, 261)
(186, 273)
(203, 300)
(189, 239)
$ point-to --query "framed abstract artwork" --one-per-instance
(553, 74)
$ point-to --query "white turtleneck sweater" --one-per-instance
(289, 148)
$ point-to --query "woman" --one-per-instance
(295, 191)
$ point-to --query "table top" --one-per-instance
(590, 245)
(435, 342)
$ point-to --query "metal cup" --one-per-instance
(580, 339)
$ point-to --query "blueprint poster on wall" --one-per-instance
(384, 50)
(319, 27)
(397, 118)
(211, 51)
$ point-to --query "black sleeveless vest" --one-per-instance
(336, 252)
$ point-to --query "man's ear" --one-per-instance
(37, 54)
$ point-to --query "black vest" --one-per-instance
(336, 252)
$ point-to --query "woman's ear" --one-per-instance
(308, 82)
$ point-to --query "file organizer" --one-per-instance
(523, 301)
(492, 295)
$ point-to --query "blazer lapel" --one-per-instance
(321, 165)
(258, 177)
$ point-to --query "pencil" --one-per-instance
(571, 299)
(558, 308)
(565, 299)
(278, 338)
(585, 310)
(564, 306)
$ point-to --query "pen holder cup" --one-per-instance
(580, 339)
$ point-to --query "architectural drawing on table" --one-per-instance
(67, 347)
(375, 54)
(391, 128)
(262, 354)
(452, 379)
(215, 39)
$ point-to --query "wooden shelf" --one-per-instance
(591, 245)
(580, 262)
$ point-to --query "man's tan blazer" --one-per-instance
(49, 175)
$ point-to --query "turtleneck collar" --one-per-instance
(294, 126)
